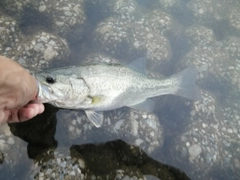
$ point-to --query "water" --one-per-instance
(199, 138)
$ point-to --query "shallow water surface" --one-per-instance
(180, 139)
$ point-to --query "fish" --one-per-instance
(96, 88)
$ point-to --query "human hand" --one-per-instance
(27, 112)
(18, 93)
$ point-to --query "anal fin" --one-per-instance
(139, 65)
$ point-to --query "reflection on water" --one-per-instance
(201, 138)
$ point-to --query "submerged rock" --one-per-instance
(11, 36)
(42, 50)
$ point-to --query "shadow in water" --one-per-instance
(104, 159)
(38, 132)
(101, 160)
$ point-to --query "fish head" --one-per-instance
(61, 90)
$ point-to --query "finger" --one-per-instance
(4, 114)
(38, 107)
(30, 111)
(26, 113)
(23, 114)
(13, 116)
(41, 108)
(18, 115)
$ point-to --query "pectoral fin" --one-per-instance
(95, 117)
(148, 105)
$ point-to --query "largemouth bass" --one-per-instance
(101, 87)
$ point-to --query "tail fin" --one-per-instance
(186, 83)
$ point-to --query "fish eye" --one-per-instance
(50, 80)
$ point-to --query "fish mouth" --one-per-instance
(45, 93)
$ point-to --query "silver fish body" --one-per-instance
(102, 87)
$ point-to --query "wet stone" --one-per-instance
(41, 50)
(56, 164)
(168, 5)
(15, 9)
(233, 16)
(126, 10)
(116, 36)
(194, 151)
(10, 36)
(145, 132)
(9, 159)
(207, 11)
(68, 17)
(202, 142)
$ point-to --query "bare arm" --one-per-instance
(17, 89)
